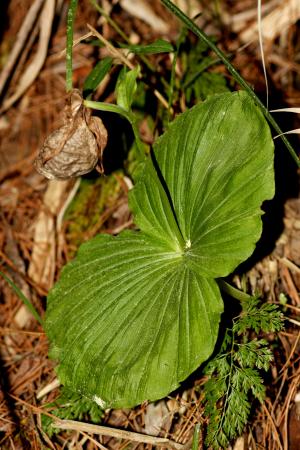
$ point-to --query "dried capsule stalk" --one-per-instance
(76, 147)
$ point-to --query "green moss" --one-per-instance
(92, 200)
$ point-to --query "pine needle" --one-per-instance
(261, 47)
(290, 110)
(295, 131)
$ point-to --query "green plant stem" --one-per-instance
(109, 20)
(69, 51)
(239, 79)
(172, 83)
(196, 437)
(229, 387)
(173, 71)
(138, 141)
(232, 291)
(24, 299)
(101, 106)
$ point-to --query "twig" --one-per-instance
(288, 306)
(26, 278)
(291, 353)
(286, 414)
(284, 378)
(48, 388)
(35, 409)
(114, 51)
(273, 426)
(93, 440)
(116, 433)
(6, 330)
(75, 42)
(290, 265)
(293, 321)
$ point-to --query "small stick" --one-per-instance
(286, 414)
(75, 42)
(48, 388)
(115, 52)
(293, 321)
(273, 426)
(290, 265)
(93, 440)
(291, 354)
(116, 433)
(5, 330)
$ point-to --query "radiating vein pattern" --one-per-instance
(133, 337)
(218, 173)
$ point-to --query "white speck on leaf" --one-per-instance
(99, 401)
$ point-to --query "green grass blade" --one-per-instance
(69, 58)
(24, 299)
(101, 106)
(196, 437)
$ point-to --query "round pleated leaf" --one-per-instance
(129, 320)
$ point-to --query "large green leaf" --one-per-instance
(217, 163)
(132, 316)
(129, 319)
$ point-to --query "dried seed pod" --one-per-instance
(76, 147)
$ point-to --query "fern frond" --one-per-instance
(258, 316)
(234, 373)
